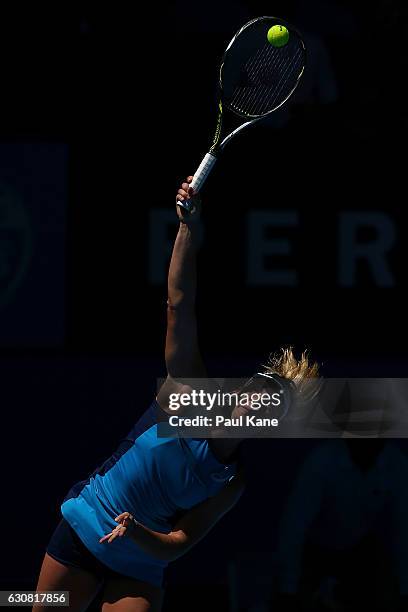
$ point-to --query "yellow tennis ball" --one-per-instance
(278, 36)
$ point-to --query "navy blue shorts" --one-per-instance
(66, 547)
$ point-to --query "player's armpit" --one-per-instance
(169, 388)
(184, 386)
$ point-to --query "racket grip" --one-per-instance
(200, 176)
(203, 171)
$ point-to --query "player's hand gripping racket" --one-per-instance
(260, 70)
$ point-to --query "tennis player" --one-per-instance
(154, 498)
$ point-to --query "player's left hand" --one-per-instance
(125, 521)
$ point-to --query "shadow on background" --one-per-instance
(93, 108)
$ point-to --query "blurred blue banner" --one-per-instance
(33, 202)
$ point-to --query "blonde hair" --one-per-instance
(302, 372)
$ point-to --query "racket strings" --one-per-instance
(281, 89)
(250, 69)
(259, 98)
(254, 70)
(270, 65)
(266, 79)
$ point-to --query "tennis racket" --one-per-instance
(255, 79)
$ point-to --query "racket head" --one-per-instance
(256, 77)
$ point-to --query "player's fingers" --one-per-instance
(189, 179)
(185, 186)
(183, 193)
(122, 516)
(180, 198)
(105, 537)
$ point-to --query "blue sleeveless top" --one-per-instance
(157, 480)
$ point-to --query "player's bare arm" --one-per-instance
(182, 354)
(187, 532)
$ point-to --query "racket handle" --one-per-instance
(203, 171)
(200, 176)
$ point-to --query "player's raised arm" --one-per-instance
(183, 359)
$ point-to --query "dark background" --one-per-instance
(102, 114)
